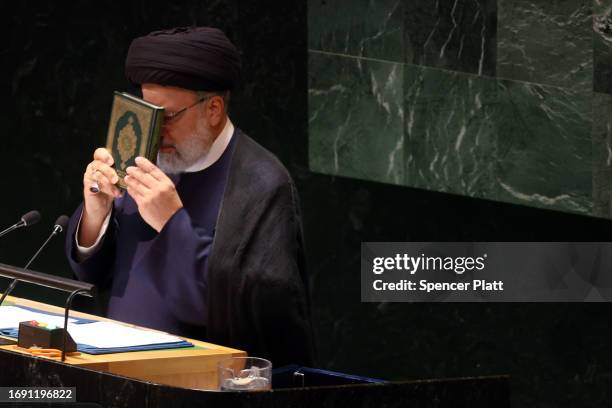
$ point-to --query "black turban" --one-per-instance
(197, 58)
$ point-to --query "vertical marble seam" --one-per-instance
(609, 158)
(482, 45)
(337, 141)
(431, 33)
(397, 149)
(432, 164)
(380, 33)
(450, 34)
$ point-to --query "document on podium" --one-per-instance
(11, 316)
(106, 335)
(91, 336)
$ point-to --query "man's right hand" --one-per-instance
(97, 205)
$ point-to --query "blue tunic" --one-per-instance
(162, 292)
(246, 289)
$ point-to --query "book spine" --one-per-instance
(153, 147)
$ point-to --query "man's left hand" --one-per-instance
(153, 192)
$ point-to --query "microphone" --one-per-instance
(60, 225)
(29, 218)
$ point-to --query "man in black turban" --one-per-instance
(200, 58)
(207, 243)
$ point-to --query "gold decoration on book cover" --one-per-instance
(133, 131)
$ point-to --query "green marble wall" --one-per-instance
(505, 100)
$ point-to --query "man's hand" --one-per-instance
(97, 205)
(153, 192)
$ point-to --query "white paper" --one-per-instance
(11, 316)
(111, 335)
(96, 334)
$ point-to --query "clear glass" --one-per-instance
(244, 374)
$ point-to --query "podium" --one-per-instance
(187, 378)
(193, 367)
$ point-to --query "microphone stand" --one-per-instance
(56, 229)
(43, 279)
(12, 228)
(51, 281)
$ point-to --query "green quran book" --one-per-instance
(133, 131)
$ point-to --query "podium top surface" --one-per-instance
(191, 367)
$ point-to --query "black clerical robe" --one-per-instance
(239, 282)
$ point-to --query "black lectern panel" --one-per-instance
(110, 391)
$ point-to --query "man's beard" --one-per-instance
(188, 152)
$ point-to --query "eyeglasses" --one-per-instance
(172, 116)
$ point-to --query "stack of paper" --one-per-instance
(93, 337)
(108, 335)
(11, 316)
